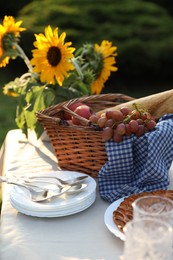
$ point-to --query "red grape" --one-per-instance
(117, 123)
(94, 118)
(101, 122)
(140, 131)
(128, 132)
(109, 122)
(135, 114)
(121, 129)
(125, 111)
(117, 138)
(108, 114)
(117, 115)
(150, 124)
(140, 121)
(133, 126)
(107, 133)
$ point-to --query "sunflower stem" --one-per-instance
(78, 69)
(24, 57)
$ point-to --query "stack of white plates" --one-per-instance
(64, 205)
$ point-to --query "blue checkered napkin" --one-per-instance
(138, 164)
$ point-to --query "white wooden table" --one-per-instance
(82, 236)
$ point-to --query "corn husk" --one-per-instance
(157, 104)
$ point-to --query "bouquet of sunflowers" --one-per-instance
(56, 73)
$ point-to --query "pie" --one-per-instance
(124, 212)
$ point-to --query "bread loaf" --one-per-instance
(157, 104)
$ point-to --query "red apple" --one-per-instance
(83, 111)
(72, 107)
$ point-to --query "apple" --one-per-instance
(83, 111)
(72, 107)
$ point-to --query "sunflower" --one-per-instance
(10, 26)
(9, 32)
(52, 56)
(108, 53)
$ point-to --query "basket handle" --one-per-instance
(96, 102)
(109, 99)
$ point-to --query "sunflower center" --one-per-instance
(54, 56)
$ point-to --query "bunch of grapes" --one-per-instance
(117, 123)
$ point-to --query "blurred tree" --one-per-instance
(12, 7)
(167, 4)
(142, 30)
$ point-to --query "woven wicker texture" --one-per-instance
(78, 148)
(124, 212)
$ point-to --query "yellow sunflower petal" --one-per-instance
(11, 26)
(4, 62)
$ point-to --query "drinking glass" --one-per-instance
(157, 207)
(147, 239)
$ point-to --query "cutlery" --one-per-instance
(77, 188)
(42, 195)
(49, 194)
(12, 181)
(47, 179)
(39, 194)
(30, 188)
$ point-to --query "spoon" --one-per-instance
(77, 188)
(48, 194)
(42, 195)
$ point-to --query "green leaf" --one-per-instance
(29, 102)
(38, 98)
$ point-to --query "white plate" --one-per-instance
(108, 219)
(20, 198)
(52, 214)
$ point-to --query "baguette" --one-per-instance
(157, 104)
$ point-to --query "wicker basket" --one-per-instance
(78, 148)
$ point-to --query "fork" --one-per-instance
(74, 181)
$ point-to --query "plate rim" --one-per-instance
(112, 207)
(54, 214)
(108, 219)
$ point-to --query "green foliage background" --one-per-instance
(141, 29)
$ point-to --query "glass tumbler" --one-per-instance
(147, 239)
(157, 207)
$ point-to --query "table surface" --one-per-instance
(82, 236)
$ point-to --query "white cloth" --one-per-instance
(82, 236)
